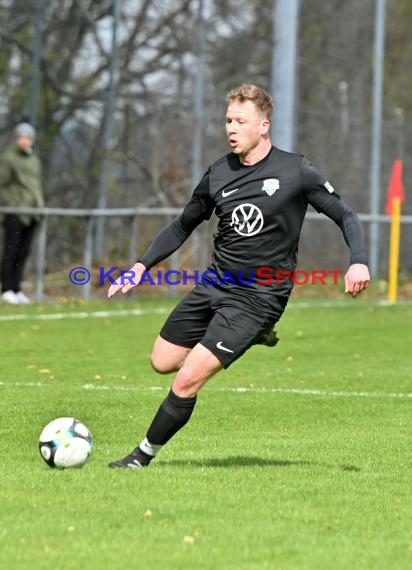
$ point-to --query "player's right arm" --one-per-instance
(135, 273)
(199, 208)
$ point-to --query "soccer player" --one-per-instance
(260, 195)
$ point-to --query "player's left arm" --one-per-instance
(322, 196)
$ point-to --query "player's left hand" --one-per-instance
(356, 279)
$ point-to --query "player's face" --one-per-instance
(246, 127)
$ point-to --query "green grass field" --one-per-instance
(297, 457)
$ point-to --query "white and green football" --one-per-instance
(65, 442)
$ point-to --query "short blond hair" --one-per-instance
(258, 96)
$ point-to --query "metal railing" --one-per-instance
(91, 215)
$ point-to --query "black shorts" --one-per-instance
(225, 322)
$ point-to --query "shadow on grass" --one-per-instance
(236, 461)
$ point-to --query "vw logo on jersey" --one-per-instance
(270, 185)
(247, 220)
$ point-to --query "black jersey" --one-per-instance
(261, 209)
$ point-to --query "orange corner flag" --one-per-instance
(395, 189)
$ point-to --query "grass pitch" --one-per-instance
(297, 457)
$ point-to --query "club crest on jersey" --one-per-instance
(270, 185)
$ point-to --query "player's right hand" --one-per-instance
(127, 280)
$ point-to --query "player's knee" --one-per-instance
(187, 382)
(162, 366)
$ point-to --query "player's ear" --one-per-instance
(264, 127)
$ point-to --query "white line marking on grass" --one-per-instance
(164, 310)
(236, 390)
(84, 315)
(314, 392)
(242, 390)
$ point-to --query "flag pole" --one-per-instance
(395, 199)
(394, 250)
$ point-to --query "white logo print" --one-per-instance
(247, 220)
(270, 185)
(227, 193)
(221, 347)
(329, 187)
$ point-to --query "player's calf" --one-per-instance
(173, 414)
(176, 410)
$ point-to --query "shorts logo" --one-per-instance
(221, 347)
(329, 187)
(270, 185)
(227, 193)
(247, 220)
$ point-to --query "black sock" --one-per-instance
(172, 415)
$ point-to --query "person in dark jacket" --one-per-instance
(20, 186)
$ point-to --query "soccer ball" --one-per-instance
(65, 442)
